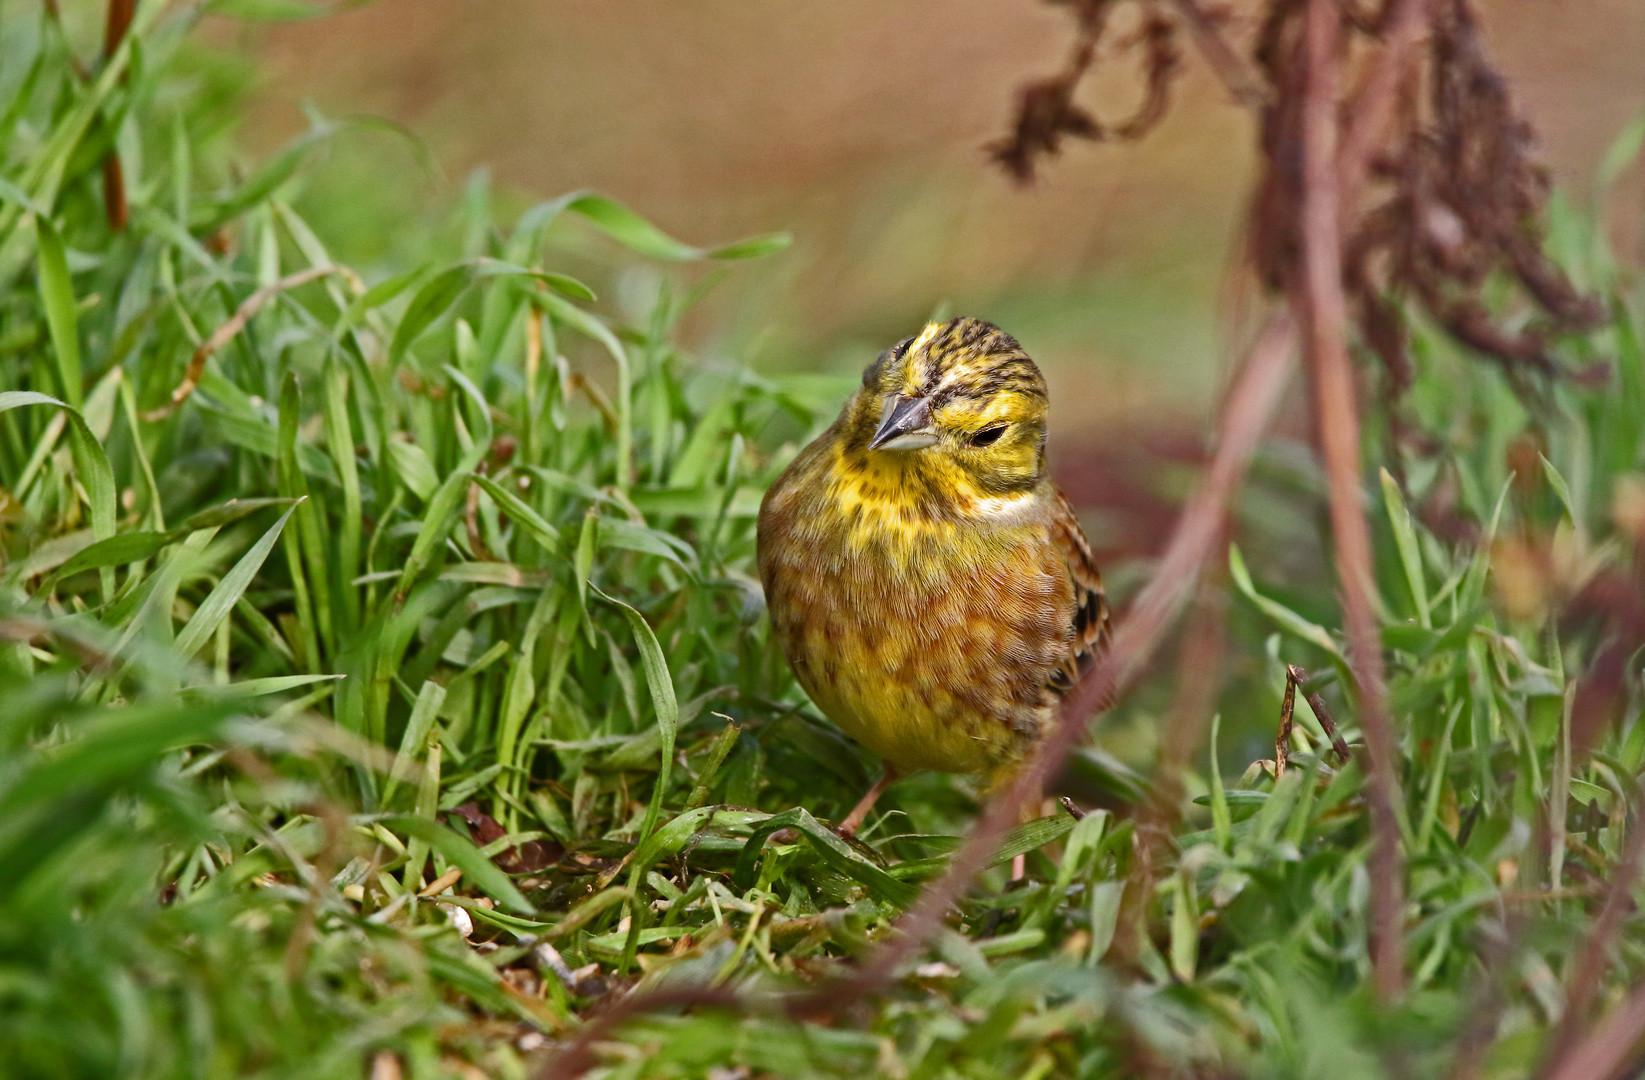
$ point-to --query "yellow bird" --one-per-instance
(926, 580)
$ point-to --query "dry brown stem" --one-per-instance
(1297, 678)
(226, 333)
(1372, 111)
(1317, 293)
(120, 14)
(1287, 714)
(1199, 675)
(1612, 1045)
(1237, 77)
(1589, 969)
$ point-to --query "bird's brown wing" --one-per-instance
(1090, 614)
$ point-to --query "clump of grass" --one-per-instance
(384, 675)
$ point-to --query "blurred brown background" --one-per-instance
(859, 125)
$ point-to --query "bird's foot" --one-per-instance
(859, 813)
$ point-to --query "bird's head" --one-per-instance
(961, 401)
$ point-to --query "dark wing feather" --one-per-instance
(1090, 614)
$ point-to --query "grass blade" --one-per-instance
(463, 855)
(663, 701)
(57, 297)
(546, 535)
(1221, 818)
(1405, 541)
(441, 515)
(292, 486)
(1287, 619)
(340, 441)
(221, 600)
(637, 234)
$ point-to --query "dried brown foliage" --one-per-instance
(1046, 110)
(1456, 197)
(1464, 207)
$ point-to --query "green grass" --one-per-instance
(446, 566)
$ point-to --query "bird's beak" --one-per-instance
(904, 425)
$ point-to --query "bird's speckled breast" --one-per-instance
(931, 643)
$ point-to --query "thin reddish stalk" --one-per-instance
(120, 14)
(1590, 965)
(1319, 297)
(577, 1057)
(1245, 85)
(1250, 404)
(1373, 107)
(1612, 1046)
(225, 333)
(1199, 674)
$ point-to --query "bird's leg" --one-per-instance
(853, 821)
(1030, 811)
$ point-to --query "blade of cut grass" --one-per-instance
(292, 486)
(520, 690)
(1288, 620)
(276, 684)
(426, 804)
(441, 514)
(340, 441)
(590, 326)
(1219, 804)
(663, 702)
(90, 461)
(546, 535)
(57, 297)
(423, 714)
(1436, 779)
(1405, 542)
(836, 853)
(227, 593)
(1561, 488)
(463, 855)
(711, 768)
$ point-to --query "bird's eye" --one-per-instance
(988, 436)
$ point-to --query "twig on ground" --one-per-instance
(1287, 713)
(1298, 677)
(226, 333)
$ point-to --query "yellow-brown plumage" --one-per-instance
(926, 580)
